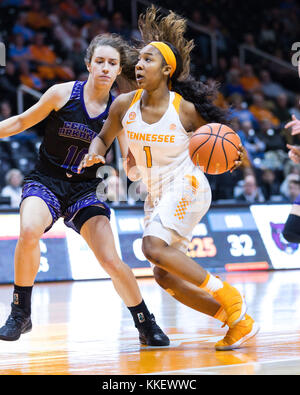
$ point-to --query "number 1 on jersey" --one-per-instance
(147, 149)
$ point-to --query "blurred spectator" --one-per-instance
(37, 17)
(92, 29)
(269, 184)
(102, 8)
(65, 32)
(88, 11)
(5, 110)
(253, 141)
(240, 110)
(249, 80)
(29, 78)
(267, 35)
(271, 136)
(281, 110)
(13, 189)
(9, 82)
(270, 88)
(233, 84)
(47, 62)
(251, 192)
(215, 26)
(293, 190)
(18, 51)
(291, 172)
(76, 57)
(119, 26)
(235, 64)
(71, 9)
(296, 108)
(260, 111)
(21, 27)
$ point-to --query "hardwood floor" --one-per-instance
(82, 328)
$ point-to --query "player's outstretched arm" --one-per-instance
(52, 99)
(110, 130)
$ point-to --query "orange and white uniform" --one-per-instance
(179, 194)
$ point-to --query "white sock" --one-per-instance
(211, 284)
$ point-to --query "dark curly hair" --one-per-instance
(170, 30)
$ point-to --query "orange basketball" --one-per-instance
(214, 147)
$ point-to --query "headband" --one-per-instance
(167, 54)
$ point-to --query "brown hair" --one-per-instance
(170, 29)
(128, 54)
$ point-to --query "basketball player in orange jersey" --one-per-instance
(74, 113)
(158, 120)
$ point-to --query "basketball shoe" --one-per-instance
(150, 333)
(238, 335)
(16, 324)
(232, 302)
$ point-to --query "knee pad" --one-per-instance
(291, 231)
(88, 212)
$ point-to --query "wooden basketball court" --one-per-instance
(82, 328)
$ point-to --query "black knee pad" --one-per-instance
(291, 231)
(88, 212)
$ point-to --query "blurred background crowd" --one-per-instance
(46, 42)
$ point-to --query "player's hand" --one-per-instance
(294, 153)
(242, 155)
(90, 160)
(294, 124)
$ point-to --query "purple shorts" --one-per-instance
(64, 199)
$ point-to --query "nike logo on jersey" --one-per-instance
(128, 122)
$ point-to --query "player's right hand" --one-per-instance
(294, 124)
(90, 160)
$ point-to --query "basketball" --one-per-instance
(214, 147)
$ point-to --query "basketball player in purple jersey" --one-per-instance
(74, 114)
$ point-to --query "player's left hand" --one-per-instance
(242, 155)
(90, 160)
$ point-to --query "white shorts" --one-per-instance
(173, 216)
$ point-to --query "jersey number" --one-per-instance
(74, 158)
(148, 156)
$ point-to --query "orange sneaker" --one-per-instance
(232, 302)
(238, 335)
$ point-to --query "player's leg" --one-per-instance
(176, 262)
(35, 217)
(96, 231)
(189, 294)
(291, 231)
(197, 299)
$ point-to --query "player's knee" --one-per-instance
(30, 235)
(112, 265)
(151, 252)
(161, 276)
(291, 231)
